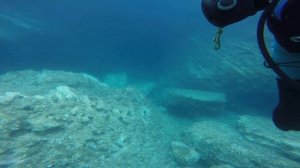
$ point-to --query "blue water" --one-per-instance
(101, 36)
(148, 40)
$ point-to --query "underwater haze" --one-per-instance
(112, 83)
(98, 36)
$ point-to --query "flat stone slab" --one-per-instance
(198, 95)
(190, 102)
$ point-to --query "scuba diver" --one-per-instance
(283, 20)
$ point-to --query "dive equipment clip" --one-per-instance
(217, 39)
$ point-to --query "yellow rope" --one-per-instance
(217, 39)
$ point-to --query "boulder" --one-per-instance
(45, 115)
(221, 143)
(262, 131)
(184, 154)
(188, 102)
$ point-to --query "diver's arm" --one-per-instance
(225, 12)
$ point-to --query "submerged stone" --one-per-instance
(220, 143)
(262, 131)
(7, 97)
(43, 124)
(76, 116)
(188, 102)
(184, 154)
(198, 95)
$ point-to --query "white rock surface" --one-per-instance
(255, 143)
(63, 119)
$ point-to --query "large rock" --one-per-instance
(43, 124)
(220, 143)
(49, 114)
(262, 131)
(190, 102)
(184, 154)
